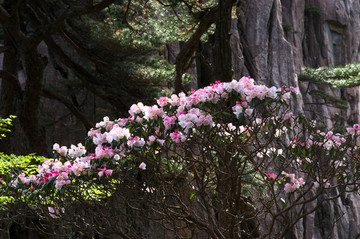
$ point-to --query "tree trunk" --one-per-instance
(10, 89)
(222, 50)
(29, 117)
(223, 72)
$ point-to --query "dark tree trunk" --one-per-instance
(222, 50)
(29, 118)
(9, 85)
(223, 72)
(10, 89)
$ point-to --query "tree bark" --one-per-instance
(222, 49)
(10, 89)
(223, 72)
(29, 118)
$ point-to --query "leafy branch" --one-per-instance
(339, 77)
(5, 124)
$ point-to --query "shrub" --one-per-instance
(230, 160)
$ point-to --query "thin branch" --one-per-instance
(53, 95)
(88, 79)
(5, 75)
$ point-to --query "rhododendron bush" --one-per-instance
(228, 161)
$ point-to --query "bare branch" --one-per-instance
(53, 95)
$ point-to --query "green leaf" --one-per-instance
(191, 196)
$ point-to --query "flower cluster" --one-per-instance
(292, 184)
(173, 120)
(56, 170)
(326, 140)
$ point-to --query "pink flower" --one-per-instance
(136, 141)
(33, 179)
(249, 111)
(290, 187)
(108, 171)
(294, 183)
(153, 112)
(351, 131)
(161, 141)
(142, 166)
(162, 101)
(177, 137)
(271, 176)
(168, 121)
(104, 170)
(63, 150)
(237, 109)
(104, 152)
(60, 183)
(117, 133)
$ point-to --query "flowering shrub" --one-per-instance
(216, 161)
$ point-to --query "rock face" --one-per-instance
(271, 41)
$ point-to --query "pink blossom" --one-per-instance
(177, 137)
(142, 166)
(271, 176)
(136, 141)
(99, 138)
(93, 132)
(60, 183)
(104, 170)
(61, 150)
(117, 133)
(290, 187)
(33, 179)
(163, 101)
(106, 123)
(136, 109)
(104, 152)
(24, 179)
(351, 131)
(153, 138)
(249, 111)
(169, 121)
(237, 109)
(153, 112)
(77, 151)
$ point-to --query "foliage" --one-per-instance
(190, 164)
(130, 39)
(339, 77)
(312, 10)
(289, 28)
(14, 165)
(151, 24)
(4, 125)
